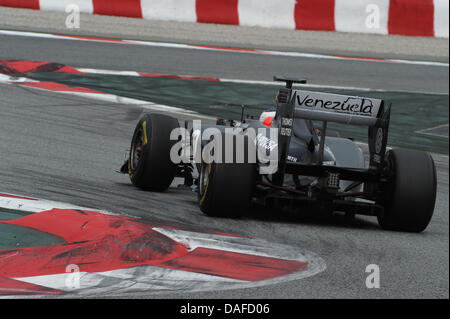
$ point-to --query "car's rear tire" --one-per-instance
(225, 189)
(149, 163)
(410, 195)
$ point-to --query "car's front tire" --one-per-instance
(149, 163)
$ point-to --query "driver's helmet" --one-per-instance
(267, 116)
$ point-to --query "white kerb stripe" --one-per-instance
(178, 10)
(267, 13)
(363, 16)
(108, 72)
(85, 6)
(441, 16)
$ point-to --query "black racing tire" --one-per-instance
(225, 189)
(149, 163)
(410, 195)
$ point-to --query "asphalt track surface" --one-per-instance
(67, 149)
(231, 65)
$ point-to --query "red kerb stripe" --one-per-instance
(314, 15)
(184, 77)
(14, 196)
(96, 242)
(29, 4)
(234, 265)
(217, 11)
(53, 86)
(10, 286)
(128, 8)
(69, 69)
(411, 17)
(89, 38)
(359, 58)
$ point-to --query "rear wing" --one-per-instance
(328, 107)
(344, 109)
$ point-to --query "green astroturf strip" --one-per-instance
(13, 236)
(411, 112)
(6, 214)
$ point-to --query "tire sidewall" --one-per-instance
(154, 171)
(410, 194)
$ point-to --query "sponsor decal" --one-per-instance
(379, 137)
(291, 158)
(379, 141)
(352, 105)
(286, 126)
(285, 131)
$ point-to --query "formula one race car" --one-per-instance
(281, 159)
